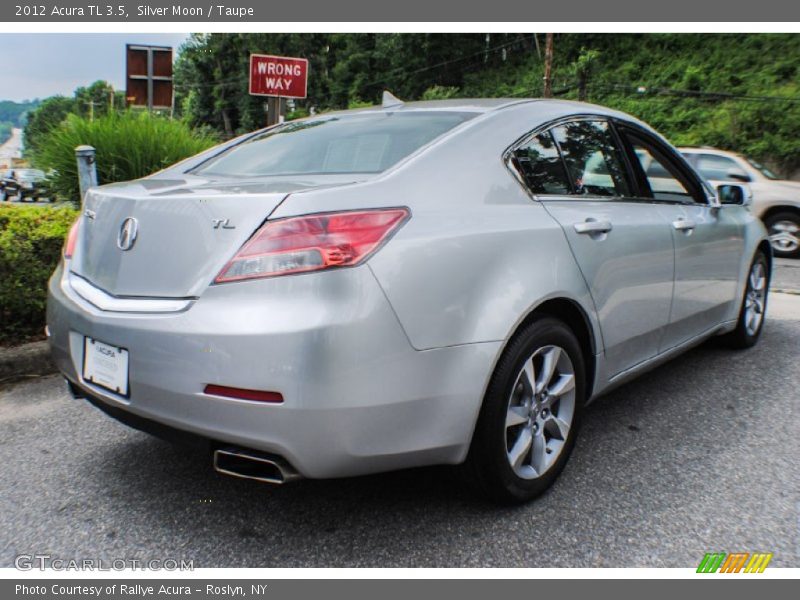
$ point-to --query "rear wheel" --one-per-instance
(530, 415)
(784, 234)
(754, 305)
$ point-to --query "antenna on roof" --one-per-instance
(389, 100)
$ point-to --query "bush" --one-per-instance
(31, 238)
(129, 145)
(440, 92)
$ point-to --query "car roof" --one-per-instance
(484, 105)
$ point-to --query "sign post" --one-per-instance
(278, 77)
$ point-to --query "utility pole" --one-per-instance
(548, 66)
(91, 104)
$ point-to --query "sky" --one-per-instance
(37, 65)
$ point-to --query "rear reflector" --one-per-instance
(72, 238)
(313, 243)
(241, 394)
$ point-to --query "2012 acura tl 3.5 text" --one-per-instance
(411, 284)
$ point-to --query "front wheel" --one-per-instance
(530, 414)
(754, 305)
(784, 234)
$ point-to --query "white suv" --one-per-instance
(775, 201)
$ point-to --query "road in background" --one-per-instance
(786, 275)
(700, 455)
(12, 148)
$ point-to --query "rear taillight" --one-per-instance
(72, 238)
(313, 243)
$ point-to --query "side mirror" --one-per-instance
(733, 194)
(738, 175)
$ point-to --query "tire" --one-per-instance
(784, 232)
(510, 399)
(754, 302)
(3, 196)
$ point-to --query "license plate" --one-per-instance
(105, 365)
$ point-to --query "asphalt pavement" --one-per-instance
(786, 275)
(697, 456)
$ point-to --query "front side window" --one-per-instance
(662, 177)
(362, 143)
(540, 165)
(593, 159)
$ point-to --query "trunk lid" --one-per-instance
(186, 231)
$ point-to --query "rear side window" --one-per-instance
(360, 143)
(593, 158)
(540, 165)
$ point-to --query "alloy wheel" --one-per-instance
(540, 411)
(755, 299)
(784, 236)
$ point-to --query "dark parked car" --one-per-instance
(25, 184)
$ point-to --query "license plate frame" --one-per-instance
(107, 366)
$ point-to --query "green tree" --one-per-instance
(48, 115)
(94, 100)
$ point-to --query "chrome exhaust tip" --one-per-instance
(250, 464)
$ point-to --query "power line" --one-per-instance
(483, 52)
(233, 81)
(643, 91)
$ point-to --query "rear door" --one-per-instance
(708, 241)
(623, 247)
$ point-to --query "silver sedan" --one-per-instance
(411, 284)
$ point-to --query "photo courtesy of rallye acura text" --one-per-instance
(410, 284)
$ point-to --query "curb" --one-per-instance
(26, 360)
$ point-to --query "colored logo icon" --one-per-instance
(736, 562)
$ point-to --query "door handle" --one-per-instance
(593, 227)
(684, 224)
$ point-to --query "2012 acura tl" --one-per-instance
(411, 284)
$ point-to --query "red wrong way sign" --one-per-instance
(278, 76)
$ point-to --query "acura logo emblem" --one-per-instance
(127, 234)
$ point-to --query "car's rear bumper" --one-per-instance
(357, 397)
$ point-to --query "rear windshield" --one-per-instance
(361, 143)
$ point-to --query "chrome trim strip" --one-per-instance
(106, 302)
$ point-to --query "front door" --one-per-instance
(708, 240)
(623, 247)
